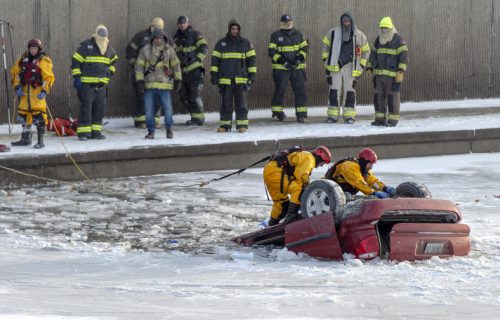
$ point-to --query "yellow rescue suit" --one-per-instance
(348, 175)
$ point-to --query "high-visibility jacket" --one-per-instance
(387, 59)
(135, 45)
(90, 65)
(191, 49)
(349, 177)
(332, 44)
(34, 76)
(233, 61)
(288, 44)
(158, 74)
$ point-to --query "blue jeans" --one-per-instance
(166, 102)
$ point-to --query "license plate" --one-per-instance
(434, 248)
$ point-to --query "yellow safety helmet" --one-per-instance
(386, 22)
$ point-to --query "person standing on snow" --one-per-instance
(345, 54)
(388, 61)
(139, 40)
(288, 174)
(354, 175)
(233, 70)
(158, 71)
(191, 49)
(92, 66)
(32, 78)
(288, 52)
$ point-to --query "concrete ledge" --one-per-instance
(230, 156)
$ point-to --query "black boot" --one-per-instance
(40, 133)
(293, 213)
(25, 139)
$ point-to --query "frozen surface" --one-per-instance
(119, 250)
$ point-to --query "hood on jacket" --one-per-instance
(347, 35)
(233, 22)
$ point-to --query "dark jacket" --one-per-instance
(289, 44)
(389, 58)
(90, 65)
(191, 49)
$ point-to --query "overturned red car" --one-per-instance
(411, 226)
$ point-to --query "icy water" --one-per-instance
(151, 248)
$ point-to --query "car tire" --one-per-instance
(412, 189)
(322, 196)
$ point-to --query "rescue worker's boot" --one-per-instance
(40, 130)
(97, 135)
(292, 214)
(25, 139)
(284, 210)
(280, 115)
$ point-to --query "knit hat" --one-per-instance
(182, 19)
(233, 22)
(386, 22)
(157, 23)
(286, 18)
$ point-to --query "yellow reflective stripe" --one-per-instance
(201, 41)
(198, 115)
(332, 68)
(303, 53)
(301, 109)
(225, 123)
(365, 48)
(112, 69)
(349, 113)
(241, 80)
(379, 115)
(201, 56)
(363, 62)
(233, 55)
(193, 66)
(96, 127)
(277, 108)
(78, 57)
(159, 85)
(393, 116)
(139, 76)
(402, 66)
(333, 112)
(273, 46)
(134, 46)
(386, 51)
(96, 59)
(115, 57)
(189, 49)
(401, 49)
(242, 122)
(326, 41)
(216, 54)
(384, 72)
(252, 69)
(174, 63)
(76, 71)
(303, 44)
(84, 129)
(140, 62)
(324, 55)
(214, 69)
(250, 53)
(356, 73)
(279, 66)
(94, 80)
(276, 57)
(289, 48)
(225, 81)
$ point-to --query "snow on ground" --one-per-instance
(120, 250)
(121, 135)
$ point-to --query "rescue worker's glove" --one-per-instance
(249, 84)
(390, 190)
(77, 83)
(140, 87)
(369, 71)
(381, 194)
(19, 91)
(300, 58)
(42, 95)
(281, 60)
(399, 76)
(177, 86)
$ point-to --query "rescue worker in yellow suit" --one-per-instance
(32, 78)
(354, 174)
(289, 177)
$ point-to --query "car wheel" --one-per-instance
(412, 189)
(322, 196)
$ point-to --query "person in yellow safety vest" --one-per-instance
(354, 174)
(388, 61)
(290, 177)
(32, 78)
(345, 54)
(92, 66)
(288, 53)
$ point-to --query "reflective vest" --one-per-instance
(287, 44)
(90, 65)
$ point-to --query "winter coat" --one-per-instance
(350, 178)
(290, 45)
(387, 59)
(139, 40)
(90, 65)
(158, 73)
(191, 49)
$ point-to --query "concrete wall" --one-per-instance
(454, 45)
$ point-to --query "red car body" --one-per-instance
(397, 229)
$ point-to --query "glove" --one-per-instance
(214, 80)
(300, 58)
(249, 84)
(390, 190)
(77, 83)
(399, 76)
(140, 87)
(396, 86)
(369, 71)
(354, 83)
(381, 195)
(329, 80)
(177, 86)
(42, 95)
(19, 91)
(281, 60)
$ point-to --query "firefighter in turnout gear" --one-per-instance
(286, 175)
(139, 40)
(32, 78)
(191, 49)
(388, 61)
(158, 72)
(233, 70)
(354, 175)
(345, 54)
(92, 67)
(288, 52)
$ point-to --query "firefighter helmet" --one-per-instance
(35, 43)
(368, 154)
(323, 153)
